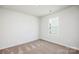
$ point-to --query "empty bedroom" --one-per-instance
(39, 29)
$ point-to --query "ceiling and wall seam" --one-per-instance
(57, 11)
(52, 9)
(18, 11)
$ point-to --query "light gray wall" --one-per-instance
(68, 29)
(17, 28)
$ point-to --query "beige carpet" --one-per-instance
(39, 47)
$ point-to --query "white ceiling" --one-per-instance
(36, 10)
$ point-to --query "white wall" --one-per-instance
(68, 30)
(17, 28)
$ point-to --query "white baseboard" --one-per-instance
(75, 48)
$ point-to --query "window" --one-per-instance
(53, 25)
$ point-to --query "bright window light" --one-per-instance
(53, 25)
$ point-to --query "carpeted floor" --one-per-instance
(39, 47)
